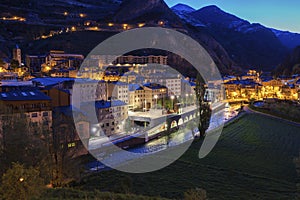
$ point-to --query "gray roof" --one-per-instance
(30, 95)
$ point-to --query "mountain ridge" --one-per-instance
(287, 38)
(150, 10)
(248, 44)
(183, 7)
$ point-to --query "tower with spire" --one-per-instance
(17, 54)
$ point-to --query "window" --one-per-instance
(45, 114)
(34, 115)
(70, 145)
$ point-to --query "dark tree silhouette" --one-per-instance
(22, 183)
(203, 106)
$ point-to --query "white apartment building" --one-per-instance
(118, 91)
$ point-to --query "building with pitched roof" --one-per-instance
(147, 95)
(111, 116)
(32, 104)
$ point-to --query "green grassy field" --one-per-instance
(252, 160)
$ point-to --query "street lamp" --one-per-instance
(155, 97)
(172, 98)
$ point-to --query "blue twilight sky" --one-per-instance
(279, 14)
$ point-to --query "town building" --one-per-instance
(111, 116)
(118, 91)
(289, 92)
(34, 62)
(7, 86)
(243, 89)
(64, 73)
(86, 90)
(147, 96)
(78, 90)
(31, 104)
(71, 130)
(17, 54)
(60, 59)
(271, 88)
(169, 80)
(8, 76)
(151, 59)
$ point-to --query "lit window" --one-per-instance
(70, 145)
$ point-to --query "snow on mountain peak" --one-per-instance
(183, 8)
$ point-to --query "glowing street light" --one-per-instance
(82, 15)
(125, 26)
(161, 23)
(141, 25)
(94, 130)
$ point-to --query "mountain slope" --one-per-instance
(44, 16)
(183, 11)
(291, 64)
(151, 11)
(36, 11)
(146, 11)
(183, 8)
(248, 44)
(288, 39)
